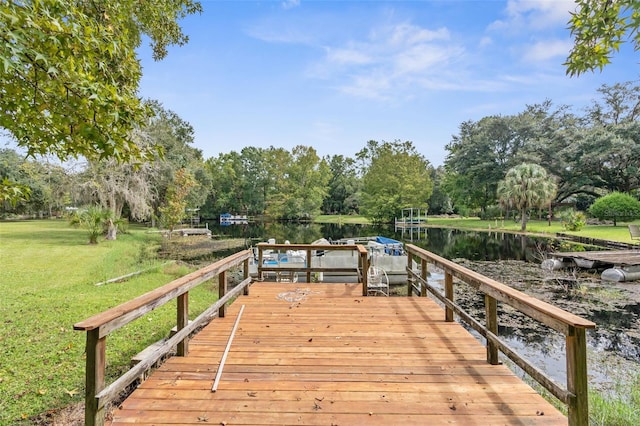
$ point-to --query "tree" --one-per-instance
(344, 186)
(167, 130)
(616, 206)
(439, 202)
(12, 192)
(115, 186)
(14, 189)
(302, 186)
(620, 104)
(398, 177)
(526, 186)
(599, 27)
(70, 72)
(480, 155)
(93, 219)
(173, 210)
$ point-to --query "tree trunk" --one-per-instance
(524, 220)
(112, 230)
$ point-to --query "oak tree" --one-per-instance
(69, 72)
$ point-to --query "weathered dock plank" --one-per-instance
(608, 257)
(326, 355)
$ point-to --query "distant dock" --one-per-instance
(617, 265)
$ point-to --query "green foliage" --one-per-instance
(12, 192)
(301, 185)
(616, 206)
(524, 187)
(70, 73)
(572, 220)
(397, 177)
(284, 185)
(480, 155)
(492, 212)
(344, 186)
(94, 220)
(173, 210)
(619, 409)
(166, 129)
(599, 28)
(43, 361)
(440, 201)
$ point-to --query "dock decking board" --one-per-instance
(611, 257)
(335, 358)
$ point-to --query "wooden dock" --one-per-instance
(323, 354)
(600, 259)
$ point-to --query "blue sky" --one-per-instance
(335, 74)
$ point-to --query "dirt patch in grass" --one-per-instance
(71, 415)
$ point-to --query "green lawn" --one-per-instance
(47, 278)
(341, 219)
(604, 232)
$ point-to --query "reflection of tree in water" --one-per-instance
(476, 245)
(617, 321)
(512, 324)
(612, 333)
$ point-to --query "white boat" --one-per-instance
(386, 254)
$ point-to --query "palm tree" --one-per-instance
(94, 219)
(526, 186)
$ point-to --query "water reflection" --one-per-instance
(449, 243)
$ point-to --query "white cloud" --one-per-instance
(545, 50)
(290, 4)
(421, 58)
(391, 62)
(349, 55)
(485, 41)
(375, 85)
(523, 15)
(407, 34)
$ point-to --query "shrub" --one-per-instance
(492, 212)
(573, 220)
(616, 206)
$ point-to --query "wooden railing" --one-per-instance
(99, 326)
(575, 395)
(308, 269)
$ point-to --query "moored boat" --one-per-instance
(386, 254)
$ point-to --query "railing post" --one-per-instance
(423, 274)
(491, 313)
(364, 261)
(409, 275)
(245, 275)
(260, 260)
(448, 293)
(222, 290)
(94, 379)
(308, 265)
(577, 384)
(182, 321)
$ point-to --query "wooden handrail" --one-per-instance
(575, 395)
(361, 269)
(99, 326)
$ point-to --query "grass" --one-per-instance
(47, 285)
(619, 408)
(341, 219)
(604, 232)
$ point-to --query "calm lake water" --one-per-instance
(614, 345)
(449, 243)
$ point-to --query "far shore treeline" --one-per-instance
(586, 154)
